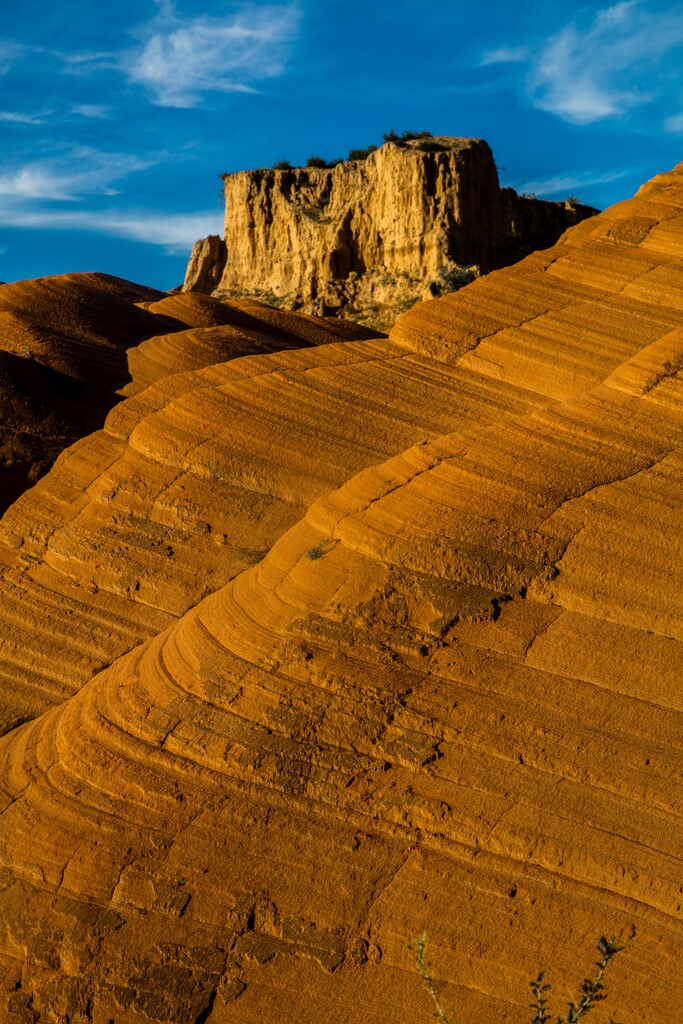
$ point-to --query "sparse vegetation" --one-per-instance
(361, 154)
(592, 988)
(425, 969)
(319, 550)
(573, 199)
(424, 139)
(409, 136)
(453, 277)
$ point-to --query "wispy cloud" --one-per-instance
(610, 66)
(602, 65)
(505, 55)
(14, 117)
(674, 124)
(175, 232)
(563, 184)
(81, 172)
(180, 59)
(53, 195)
(93, 110)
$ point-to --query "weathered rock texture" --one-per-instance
(446, 696)
(371, 237)
(71, 345)
(63, 344)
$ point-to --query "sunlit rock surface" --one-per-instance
(435, 682)
(369, 238)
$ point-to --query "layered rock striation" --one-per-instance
(445, 693)
(370, 237)
(71, 345)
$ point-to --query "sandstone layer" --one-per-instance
(446, 697)
(368, 238)
(63, 347)
(71, 345)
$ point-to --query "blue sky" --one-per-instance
(117, 118)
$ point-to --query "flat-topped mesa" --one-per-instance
(368, 238)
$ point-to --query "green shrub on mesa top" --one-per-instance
(423, 138)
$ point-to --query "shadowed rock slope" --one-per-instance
(69, 343)
(63, 347)
(447, 697)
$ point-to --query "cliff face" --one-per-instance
(368, 238)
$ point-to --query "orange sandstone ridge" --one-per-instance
(71, 345)
(393, 633)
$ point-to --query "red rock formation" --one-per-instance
(447, 697)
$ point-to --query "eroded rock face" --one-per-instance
(206, 265)
(371, 237)
(446, 696)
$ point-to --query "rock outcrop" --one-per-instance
(445, 693)
(206, 266)
(368, 238)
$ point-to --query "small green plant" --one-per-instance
(361, 154)
(282, 165)
(316, 161)
(592, 988)
(425, 969)
(391, 136)
(319, 550)
(574, 200)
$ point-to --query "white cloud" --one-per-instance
(608, 68)
(33, 196)
(178, 60)
(565, 184)
(505, 55)
(176, 232)
(674, 124)
(93, 110)
(16, 118)
(81, 172)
